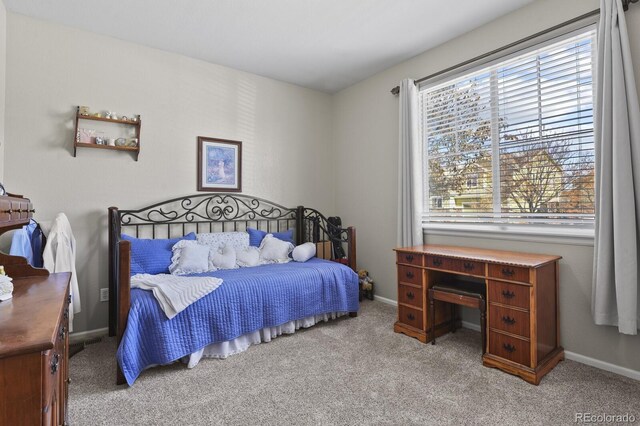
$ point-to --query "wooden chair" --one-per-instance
(467, 294)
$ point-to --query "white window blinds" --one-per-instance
(513, 142)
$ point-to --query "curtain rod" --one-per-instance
(625, 5)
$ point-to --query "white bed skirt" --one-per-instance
(242, 343)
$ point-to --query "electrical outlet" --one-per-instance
(104, 294)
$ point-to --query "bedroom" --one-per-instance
(316, 134)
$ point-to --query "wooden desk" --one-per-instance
(521, 293)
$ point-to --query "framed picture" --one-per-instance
(219, 165)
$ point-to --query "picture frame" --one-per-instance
(219, 165)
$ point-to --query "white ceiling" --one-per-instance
(322, 44)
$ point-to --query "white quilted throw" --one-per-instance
(174, 293)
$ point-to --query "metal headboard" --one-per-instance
(219, 212)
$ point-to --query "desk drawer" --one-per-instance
(509, 320)
(409, 258)
(410, 316)
(509, 294)
(511, 348)
(465, 266)
(410, 295)
(435, 261)
(409, 274)
(507, 272)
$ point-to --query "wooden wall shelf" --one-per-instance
(137, 125)
(114, 148)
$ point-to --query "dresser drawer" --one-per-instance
(507, 272)
(509, 320)
(409, 274)
(509, 294)
(410, 295)
(510, 348)
(409, 258)
(410, 316)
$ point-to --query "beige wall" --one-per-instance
(284, 128)
(366, 136)
(3, 69)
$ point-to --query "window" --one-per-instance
(513, 142)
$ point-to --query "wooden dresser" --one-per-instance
(34, 338)
(521, 295)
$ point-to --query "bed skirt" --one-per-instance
(240, 344)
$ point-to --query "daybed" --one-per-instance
(252, 305)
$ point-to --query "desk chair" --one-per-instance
(467, 294)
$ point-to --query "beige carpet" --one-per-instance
(348, 371)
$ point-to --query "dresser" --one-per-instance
(34, 353)
(521, 294)
(34, 338)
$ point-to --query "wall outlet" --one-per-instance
(104, 294)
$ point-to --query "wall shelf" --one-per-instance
(114, 148)
(135, 125)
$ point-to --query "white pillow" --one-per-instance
(225, 258)
(248, 257)
(215, 240)
(189, 257)
(273, 250)
(304, 252)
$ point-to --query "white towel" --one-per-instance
(173, 293)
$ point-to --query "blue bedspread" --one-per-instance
(249, 299)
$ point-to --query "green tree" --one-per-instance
(458, 136)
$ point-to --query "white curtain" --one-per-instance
(409, 169)
(615, 283)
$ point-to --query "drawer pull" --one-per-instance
(508, 272)
(7, 211)
(469, 266)
(63, 330)
(437, 261)
(410, 274)
(509, 347)
(66, 313)
(69, 299)
(411, 317)
(409, 258)
(32, 211)
(410, 295)
(54, 363)
(508, 294)
(508, 320)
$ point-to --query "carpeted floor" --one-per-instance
(348, 371)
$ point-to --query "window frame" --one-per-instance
(580, 234)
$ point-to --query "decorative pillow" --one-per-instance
(189, 257)
(248, 257)
(215, 240)
(152, 256)
(274, 250)
(256, 236)
(225, 258)
(304, 252)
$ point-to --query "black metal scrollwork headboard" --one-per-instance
(222, 212)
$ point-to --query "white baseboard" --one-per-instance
(602, 365)
(86, 335)
(385, 300)
(471, 326)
